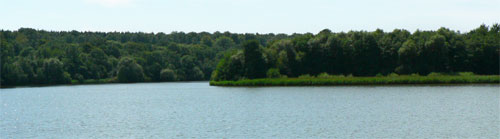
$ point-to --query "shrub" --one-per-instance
(168, 75)
(305, 76)
(414, 74)
(273, 73)
(466, 73)
(393, 75)
(435, 74)
(54, 72)
(324, 75)
(66, 77)
(79, 78)
(130, 71)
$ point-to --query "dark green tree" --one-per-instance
(206, 40)
(224, 43)
(408, 55)
(230, 67)
(53, 71)
(168, 75)
(254, 64)
(129, 71)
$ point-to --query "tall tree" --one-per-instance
(129, 71)
(255, 65)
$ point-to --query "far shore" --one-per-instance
(323, 81)
(384, 80)
(92, 82)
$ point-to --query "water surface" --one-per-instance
(195, 109)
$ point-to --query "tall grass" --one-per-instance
(94, 81)
(349, 80)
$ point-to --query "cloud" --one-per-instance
(111, 3)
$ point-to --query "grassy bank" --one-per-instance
(94, 81)
(381, 80)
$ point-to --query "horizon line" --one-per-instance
(159, 32)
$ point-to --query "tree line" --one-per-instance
(362, 53)
(31, 57)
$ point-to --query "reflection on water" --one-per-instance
(194, 109)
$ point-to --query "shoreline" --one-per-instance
(364, 81)
(92, 83)
(318, 81)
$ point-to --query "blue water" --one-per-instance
(195, 109)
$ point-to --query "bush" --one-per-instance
(55, 72)
(197, 74)
(414, 74)
(168, 75)
(466, 74)
(273, 73)
(230, 67)
(435, 74)
(79, 78)
(393, 75)
(66, 77)
(339, 76)
(305, 76)
(324, 75)
(129, 71)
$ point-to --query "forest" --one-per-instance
(37, 57)
(361, 53)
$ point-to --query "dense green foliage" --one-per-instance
(32, 57)
(380, 80)
(129, 71)
(254, 63)
(168, 75)
(361, 53)
(273, 73)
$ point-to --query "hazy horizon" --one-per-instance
(411, 31)
(244, 16)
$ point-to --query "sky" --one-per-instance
(247, 16)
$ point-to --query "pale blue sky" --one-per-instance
(247, 16)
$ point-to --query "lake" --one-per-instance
(195, 109)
